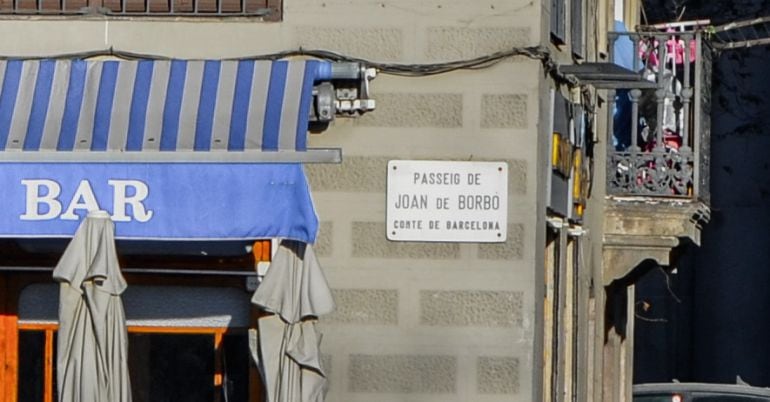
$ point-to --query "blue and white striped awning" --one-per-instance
(158, 111)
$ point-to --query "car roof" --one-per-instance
(640, 389)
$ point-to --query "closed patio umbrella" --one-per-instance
(92, 355)
(286, 343)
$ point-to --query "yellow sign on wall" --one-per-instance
(561, 155)
(569, 162)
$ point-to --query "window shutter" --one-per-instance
(558, 21)
(577, 33)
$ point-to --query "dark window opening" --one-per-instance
(236, 361)
(31, 365)
(163, 367)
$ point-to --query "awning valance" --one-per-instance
(159, 201)
(159, 110)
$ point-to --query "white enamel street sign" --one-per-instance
(447, 201)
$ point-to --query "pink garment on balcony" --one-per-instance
(675, 51)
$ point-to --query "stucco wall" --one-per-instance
(415, 321)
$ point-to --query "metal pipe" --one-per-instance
(612, 37)
(637, 63)
(345, 70)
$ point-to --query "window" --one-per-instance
(568, 20)
(185, 344)
(654, 398)
(699, 397)
(165, 364)
(728, 398)
(267, 9)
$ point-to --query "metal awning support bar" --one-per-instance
(152, 271)
(606, 76)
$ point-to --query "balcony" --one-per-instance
(659, 127)
(658, 148)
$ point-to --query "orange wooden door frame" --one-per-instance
(9, 340)
(12, 283)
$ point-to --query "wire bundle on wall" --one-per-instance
(399, 69)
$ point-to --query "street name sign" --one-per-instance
(447, 201)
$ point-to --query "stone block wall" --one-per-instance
(431, 321)
(415, 321)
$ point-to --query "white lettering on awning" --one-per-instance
(43, 203)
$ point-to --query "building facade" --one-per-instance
(544, 315)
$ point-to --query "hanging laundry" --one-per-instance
(675, 49)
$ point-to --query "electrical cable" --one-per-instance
(398, 69)
(418, 70)
(550, 66)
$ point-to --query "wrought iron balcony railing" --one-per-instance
(659, 127)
